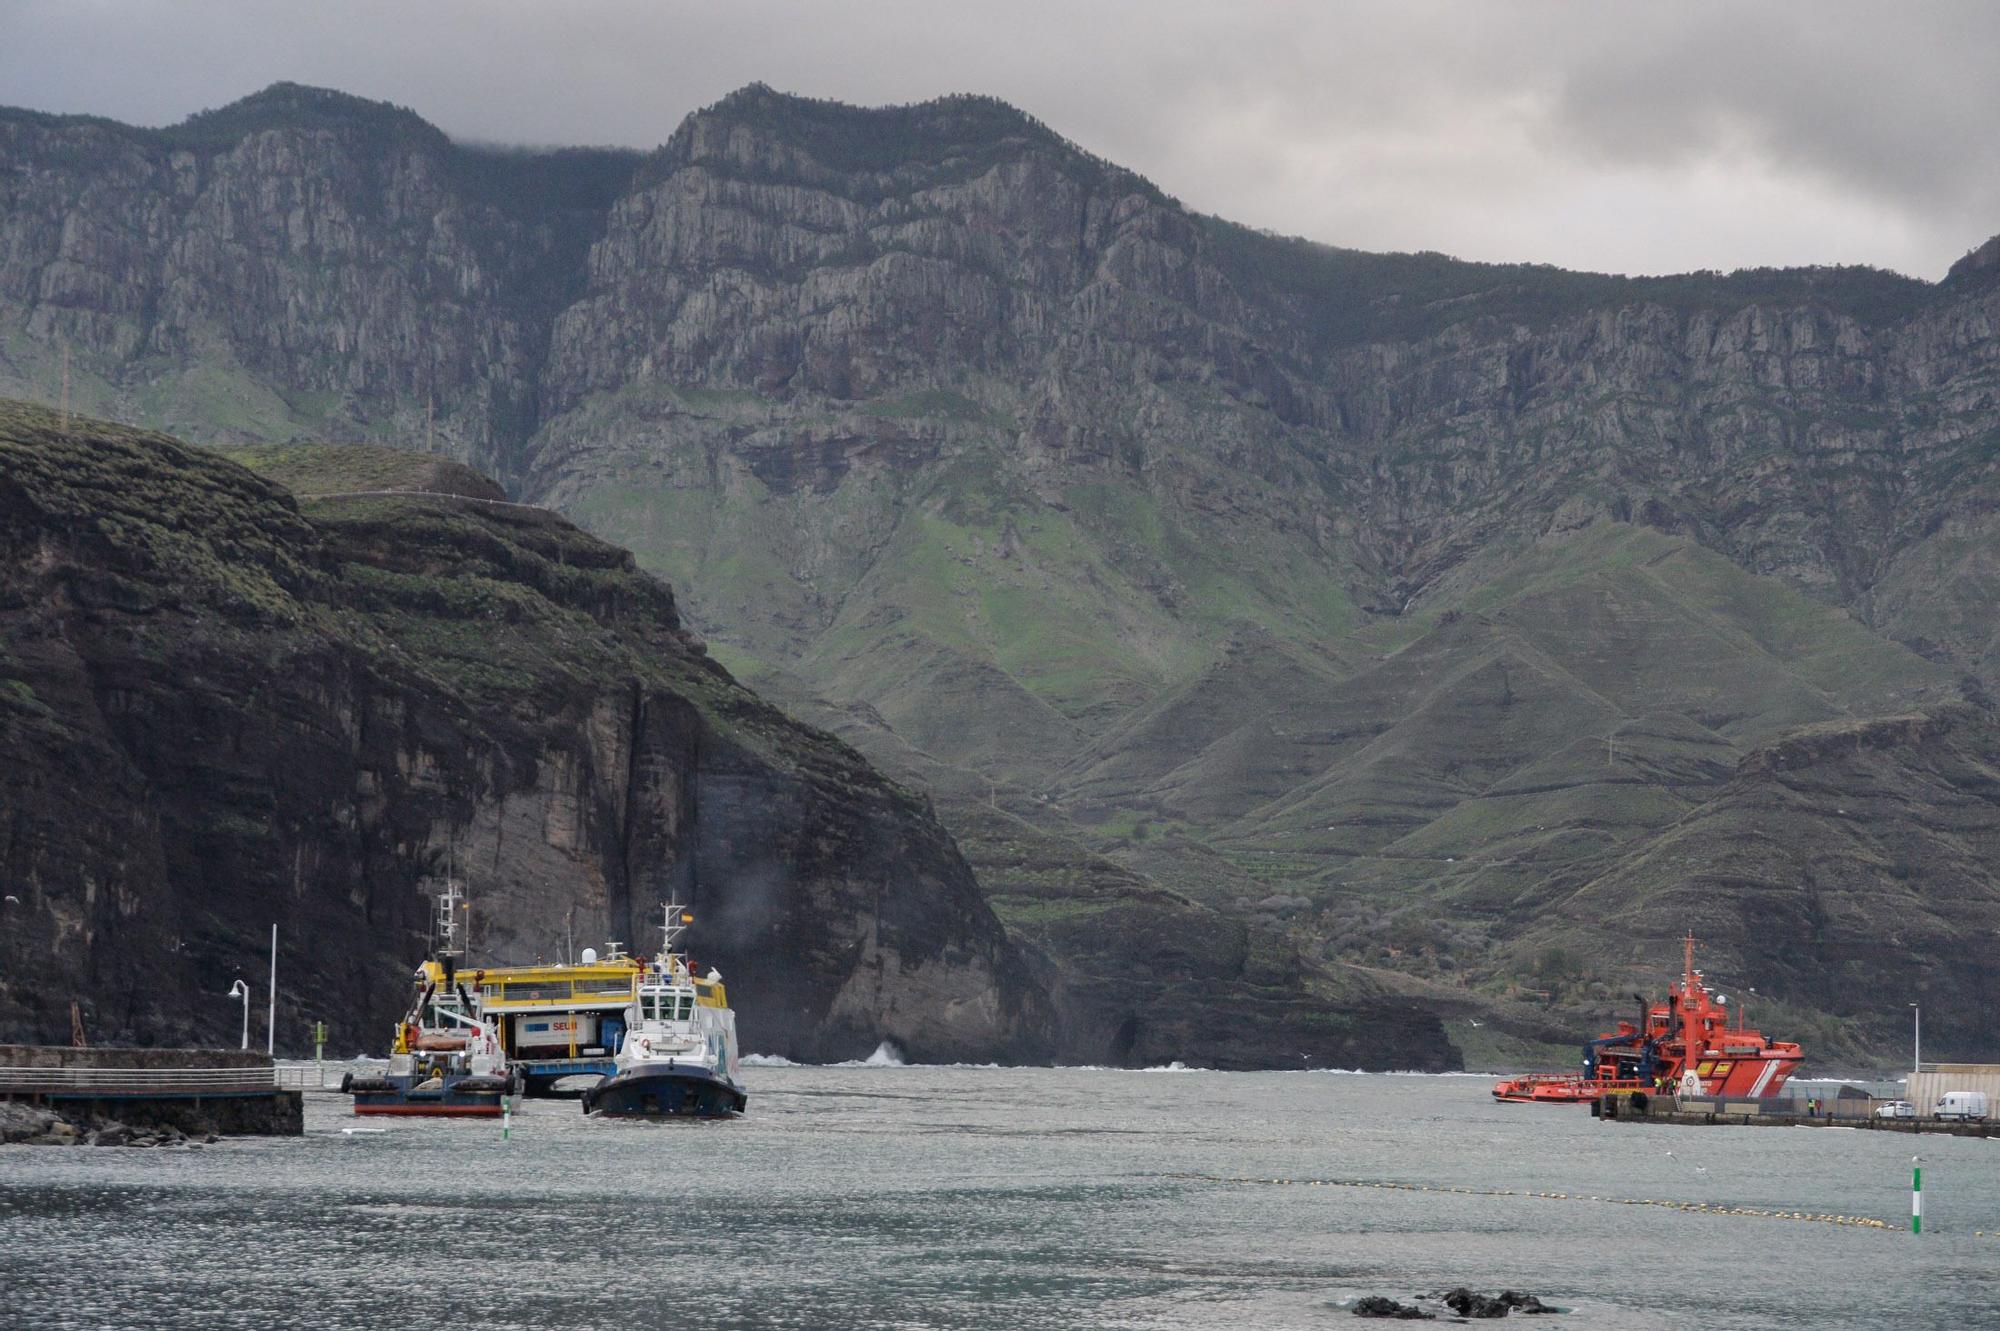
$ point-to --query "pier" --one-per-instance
(223, 1091)
(1775, 1114)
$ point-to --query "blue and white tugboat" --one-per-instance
(679, 1056)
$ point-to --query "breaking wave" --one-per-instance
(886, 1055)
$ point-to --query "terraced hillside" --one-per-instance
(1402, 607)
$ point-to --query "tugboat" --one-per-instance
(446, 1060)
(678, 1058)
(1683, 1046)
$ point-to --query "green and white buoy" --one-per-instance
(1916, 1194)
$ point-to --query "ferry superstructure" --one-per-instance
(561, 1021)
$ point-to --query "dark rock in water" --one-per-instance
(1375, 1305)
(1468, 1304)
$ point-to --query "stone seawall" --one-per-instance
(155, 1094)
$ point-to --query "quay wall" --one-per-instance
(138, 1088)
(63, 1056)
(1733, 1114)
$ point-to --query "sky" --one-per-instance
(1599, 134)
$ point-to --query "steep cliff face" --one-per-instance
(233, 697)
(224, 706)
(300, 264)
(1361, 598)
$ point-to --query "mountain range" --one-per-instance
(1261, 618)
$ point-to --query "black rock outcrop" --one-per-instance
(224, 707)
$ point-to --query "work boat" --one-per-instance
(1684, 1046)
(678, 1058)
(446, 1058)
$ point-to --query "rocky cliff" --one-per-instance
(1363, 598)
(226, 706)
(236, 696)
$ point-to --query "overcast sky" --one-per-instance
(1628, 137)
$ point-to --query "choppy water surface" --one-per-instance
(989, 1198)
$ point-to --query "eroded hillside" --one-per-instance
(1374, 600)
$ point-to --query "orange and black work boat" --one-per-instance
(1684, 1046)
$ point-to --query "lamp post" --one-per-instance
(1916, 1053)
(241, 991)
(271, 1021)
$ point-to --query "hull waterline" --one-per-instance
(665, 1092)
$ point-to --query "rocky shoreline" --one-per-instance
(34, 1125)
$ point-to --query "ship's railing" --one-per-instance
(135, 1081)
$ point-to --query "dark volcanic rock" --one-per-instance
(220, 710)
(1468, 1304)
(1376, 1305)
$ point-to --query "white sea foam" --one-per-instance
(767, 1061)
(886, 1055)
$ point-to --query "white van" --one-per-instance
(1965, 1106)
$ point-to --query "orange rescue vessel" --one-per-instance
(1683, 1046)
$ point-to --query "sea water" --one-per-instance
(879, 1196)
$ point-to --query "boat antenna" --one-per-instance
(449, 902)
(674, 921)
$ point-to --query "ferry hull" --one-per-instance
(398, 1095)
(665, 1093)
(433, 1109)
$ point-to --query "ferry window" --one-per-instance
(687, 1006)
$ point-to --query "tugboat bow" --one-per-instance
(679, 1055)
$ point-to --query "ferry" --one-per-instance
(678, 1055)
(1683, 1046)
(446, 1059)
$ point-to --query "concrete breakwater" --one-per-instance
(53, 1095)
(1749, 1114)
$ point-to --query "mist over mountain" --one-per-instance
(1268, 622)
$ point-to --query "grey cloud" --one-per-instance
(1628, 136)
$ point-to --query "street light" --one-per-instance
(1916, 1052)
(241, 991)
